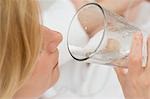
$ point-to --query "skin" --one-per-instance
(135, 84)
(118, 6)
(46, 71)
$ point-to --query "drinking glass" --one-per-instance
(104, 37)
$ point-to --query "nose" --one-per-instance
(51, 39)
(55, 37)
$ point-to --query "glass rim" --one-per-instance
(104, 30)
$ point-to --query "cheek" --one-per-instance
(47, 60)
(53, 78)
(44, 72)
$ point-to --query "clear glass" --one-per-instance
(105, 37)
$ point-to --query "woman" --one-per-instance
(28, 52)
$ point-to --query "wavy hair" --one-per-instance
(20, 41)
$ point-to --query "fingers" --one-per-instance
(145, 78)
(148, 54)
(135, 56)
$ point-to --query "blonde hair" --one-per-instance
(20, 41)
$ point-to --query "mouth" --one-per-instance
(55, 66)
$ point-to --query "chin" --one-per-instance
(55, 75)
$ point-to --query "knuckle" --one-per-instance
(134, 60)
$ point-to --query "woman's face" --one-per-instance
(47, 62)
(46, 71)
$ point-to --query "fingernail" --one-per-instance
(125, 71)
(137, 35)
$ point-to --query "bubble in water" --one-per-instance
(110, 58)
(125, 35)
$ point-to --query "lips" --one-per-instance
(55, 66)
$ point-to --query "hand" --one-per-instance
(96, 22)
(119, 6)
(136, 82)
